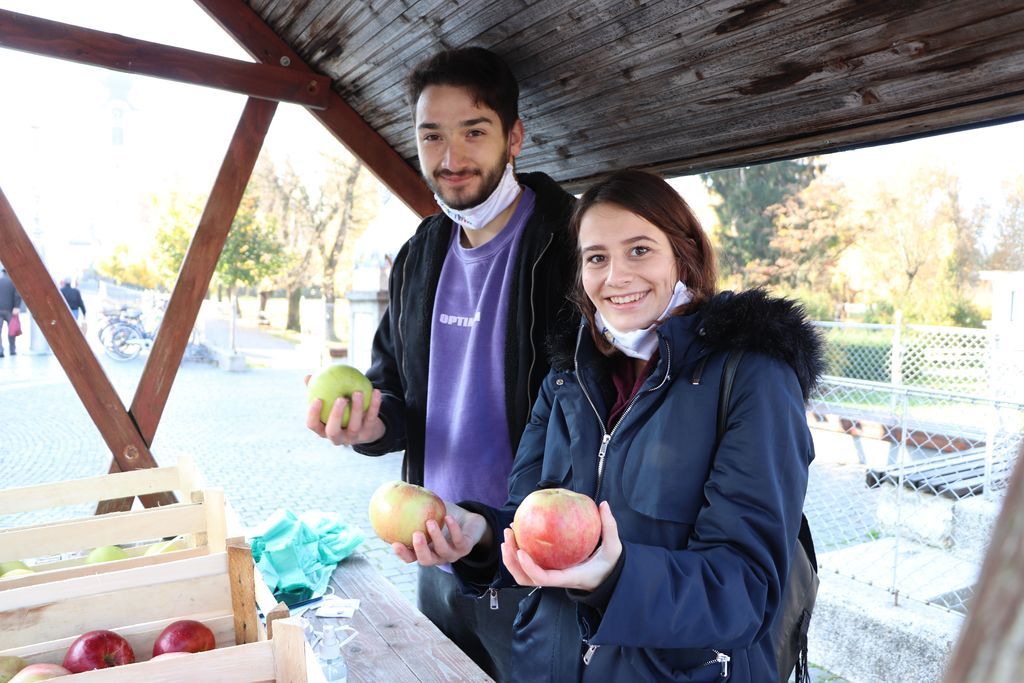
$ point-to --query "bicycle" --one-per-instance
(125, 333)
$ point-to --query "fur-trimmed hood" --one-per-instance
(750, 320)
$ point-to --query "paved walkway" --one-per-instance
(245, 430)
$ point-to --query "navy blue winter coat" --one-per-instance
(707, 533)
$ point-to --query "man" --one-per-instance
(10, 306)
(73, 297)
(459, 355)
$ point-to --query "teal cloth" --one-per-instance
(297, 555)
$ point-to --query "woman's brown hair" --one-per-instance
(651, 198)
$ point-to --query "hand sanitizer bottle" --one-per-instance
(329, 655)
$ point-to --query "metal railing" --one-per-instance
(908, 479)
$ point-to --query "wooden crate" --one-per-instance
(202, 520)
(285, 659)
(39, 622)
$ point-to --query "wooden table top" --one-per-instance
(395, 642)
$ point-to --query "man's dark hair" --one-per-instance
(483, 73)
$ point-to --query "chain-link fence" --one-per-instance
(980, 362)
(909, 478)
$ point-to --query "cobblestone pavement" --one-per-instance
(245, 431)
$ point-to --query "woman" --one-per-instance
(697, 535)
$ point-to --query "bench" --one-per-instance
(955, 475)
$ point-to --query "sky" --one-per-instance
(75, 191)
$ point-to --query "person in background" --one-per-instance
(697, 526)
(73, 297)
(459, 355)
(10, 306)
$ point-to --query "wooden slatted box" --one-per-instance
(55, 550)
(39, 622)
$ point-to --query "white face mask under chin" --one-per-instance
(476, 217)
(642, 343)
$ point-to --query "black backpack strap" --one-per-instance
(732, 361)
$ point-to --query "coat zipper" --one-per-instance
(606, 435)
(720, 658)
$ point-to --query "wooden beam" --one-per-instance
(260, 41)
(198, 266)
(51, 314)
(112, 51)
(991, 644)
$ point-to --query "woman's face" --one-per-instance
(629, 270)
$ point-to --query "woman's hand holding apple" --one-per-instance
(587, 575)
(463, 531)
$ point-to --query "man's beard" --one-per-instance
(490, 178)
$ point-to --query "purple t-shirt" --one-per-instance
(468, 451)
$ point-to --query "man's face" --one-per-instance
(462, 147)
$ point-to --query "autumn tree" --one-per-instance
(283, 196)
(920, 243)
(746, 223)
(813, 229)
(1008, 253)
(178, 218)
(252, 251)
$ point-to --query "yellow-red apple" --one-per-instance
(397, 509)
(558, 528)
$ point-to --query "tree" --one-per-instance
(813, 228)
(178, 220)
(252, 251)
(125, 268)
(284, 197)
(353, 210)
(1008, 253)
(746, 225)
(920, 245)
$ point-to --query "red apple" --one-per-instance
(39, 672)
(398, 509)
(558, 528)
(186, 635)
(98, 650)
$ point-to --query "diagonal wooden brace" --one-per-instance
(196, 271)
(51, 314)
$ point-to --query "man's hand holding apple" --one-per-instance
(463, 530)
(363, 426)
(587, 575)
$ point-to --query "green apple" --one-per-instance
(8, 566)
(337, 381)
(17, 572)
(10, 665)
(105, 553)
(165, 547)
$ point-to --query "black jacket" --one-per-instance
(9, 299)
(73, 297)
(707, 526)
(401, 347)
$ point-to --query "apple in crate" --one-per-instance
(105, 553)
(397, 509)
(338, 381)
(39, 672)
(558, 528)
(10, 665)
(98, 650)
(11, 566)
(186, 635)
